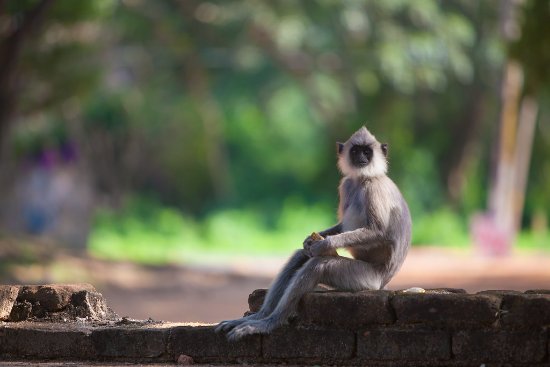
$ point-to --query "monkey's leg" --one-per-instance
(339, 272)
(274, 294)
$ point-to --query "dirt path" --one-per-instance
(211, 294)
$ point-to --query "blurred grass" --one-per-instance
(147, 232)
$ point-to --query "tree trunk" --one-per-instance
(501, 202)
(467, 137)
(525, 136)
(10, 50)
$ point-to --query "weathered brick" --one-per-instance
(525, 310)
(404, 345)
(499, 346)
(52, 297)
(446, 309)
(130, 342)
(315, 345)
(499, 292)
(204, 345)
(256, 299)
(91, 305)
(8, 295)
(21, 311)
(44, 342)
(346, 310)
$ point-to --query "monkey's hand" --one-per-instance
(322, 248)
(310, 240)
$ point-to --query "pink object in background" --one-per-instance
(489, 238)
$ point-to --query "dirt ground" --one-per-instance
(213, 293)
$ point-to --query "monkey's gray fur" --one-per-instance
(374, 226)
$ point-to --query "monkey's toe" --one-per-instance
(249, 328)
(228, 325)
(219, 328)
(241, 331)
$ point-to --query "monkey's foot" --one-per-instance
(228, 325)
(250, 327)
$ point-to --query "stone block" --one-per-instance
(311, 344)
(499, 292)
(45, 342)
(91, 305)
(204, 345)
(21, 311)
(525, 310)
(346, 310)
(404, 345)
(446, 309)
(53, 297)
(130, 343)
(59, 303)
(500, 346)
(256, 299)
(8, 295)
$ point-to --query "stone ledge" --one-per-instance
(165, 342)
(381, 328)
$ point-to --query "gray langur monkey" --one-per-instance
(374, 226)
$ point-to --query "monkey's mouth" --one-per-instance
(360, 163)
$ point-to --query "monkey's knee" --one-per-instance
(316, 266)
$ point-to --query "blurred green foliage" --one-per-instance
(226, 114)
(148, 232)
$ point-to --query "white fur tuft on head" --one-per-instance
(378, 166)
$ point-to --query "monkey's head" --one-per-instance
(362, 156)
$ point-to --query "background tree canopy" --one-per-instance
(210, 126)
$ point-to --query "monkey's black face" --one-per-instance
(360, 155)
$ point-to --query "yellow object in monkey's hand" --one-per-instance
(316, 237)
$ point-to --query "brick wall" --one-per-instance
(382, 328)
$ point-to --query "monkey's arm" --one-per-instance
(336, 229)
(327, 232)
(363, 236)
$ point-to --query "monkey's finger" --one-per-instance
(227, 325)
(219, 327)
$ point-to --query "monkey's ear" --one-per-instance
(339, 148)
(384, 148)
